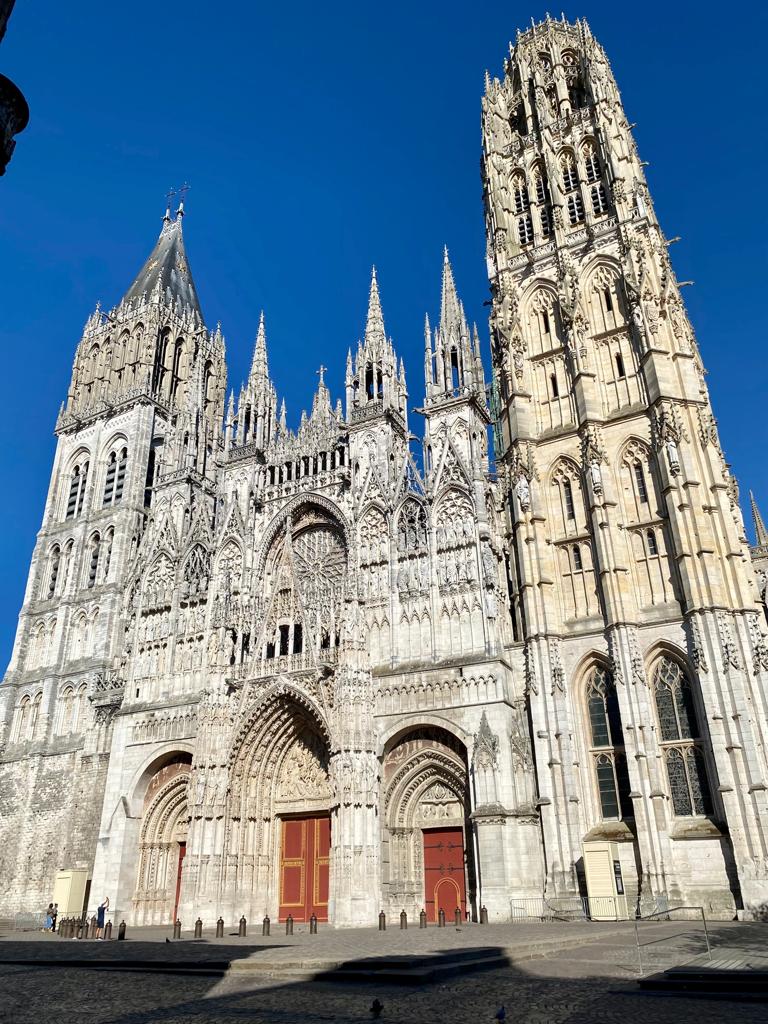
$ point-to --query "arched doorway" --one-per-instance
(280, 807)
(427, 850)
(162, 843)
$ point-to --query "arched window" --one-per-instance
(93, 563)
(607, 746)
(570, 176)
(570, 512)
(114, 482)
(79, 707)
(680, 740)
(520, 193)
(591, 163)
(67, 701)
(34, 715)
(77, 483)
(53, 570)
(108, 541)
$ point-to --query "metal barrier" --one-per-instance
(569, 908)
(28, 921)
(665, 913)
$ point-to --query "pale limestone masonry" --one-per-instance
(229, 623)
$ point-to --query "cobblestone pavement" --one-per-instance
(593, 982)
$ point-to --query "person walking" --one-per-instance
(48, 926)
(100, 913)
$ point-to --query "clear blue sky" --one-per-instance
(322, 138)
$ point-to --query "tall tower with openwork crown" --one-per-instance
(631, 584)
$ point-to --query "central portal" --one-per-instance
(304, 855)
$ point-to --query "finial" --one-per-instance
(321, 372)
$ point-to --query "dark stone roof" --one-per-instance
(167, 267)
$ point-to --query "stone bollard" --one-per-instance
(403, 921)
(220, 928)
(265, 925)
(62, 927)
(242, 930)
(289, 925)
(313, 925)
(177, 929)
(423, 919)
(441, 918)
(72, 929)
(108, 930)
(82, 929)
(382, 921)
(198, 929)
(94, 926)
(85, 927)
(483, 915)
(121, 931)
(457, 916)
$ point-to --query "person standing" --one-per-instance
(48, 918)
(100, 914)
(54, 915)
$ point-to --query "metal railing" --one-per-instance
(663, 914)
(28, 921)
(570, 908)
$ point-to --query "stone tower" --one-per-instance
(142, 414)
(631, 581)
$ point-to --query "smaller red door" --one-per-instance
(444, 886)
(182, 855)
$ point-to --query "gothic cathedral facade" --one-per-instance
(261, 670)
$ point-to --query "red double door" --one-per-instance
(444, 885)
(304, 854)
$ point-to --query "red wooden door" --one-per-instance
(182, 855)
(304, 857)
(444, 886)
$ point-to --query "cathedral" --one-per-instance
(322, 671)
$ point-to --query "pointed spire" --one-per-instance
(450, 307)
(761, 534)
(165, 277)
(259, 367)
(283, 424)
(374, 325)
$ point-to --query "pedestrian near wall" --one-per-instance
(100, 913)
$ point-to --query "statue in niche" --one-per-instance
(523, 493)
(673, 456)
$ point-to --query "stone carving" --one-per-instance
(485, 753)
(727, 645)
(304, 776)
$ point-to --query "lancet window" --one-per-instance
(114, 482)
(93, 560)
(646, 533)
(77, 483)
(681, 740)
(607, 746)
